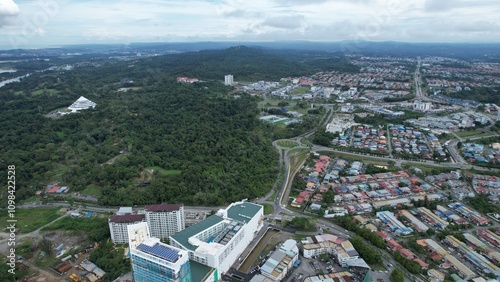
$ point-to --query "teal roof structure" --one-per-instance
(183, 236)
(243, 212)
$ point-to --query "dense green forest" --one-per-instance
(216, 144)
(480, 94)
(162, 142)
(249, 64)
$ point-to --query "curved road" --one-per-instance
(280, 201)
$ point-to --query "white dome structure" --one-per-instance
(81, 104)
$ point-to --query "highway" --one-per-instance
(417, 78)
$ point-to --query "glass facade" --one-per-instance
(148, 271)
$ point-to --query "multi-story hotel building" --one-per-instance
(219, 240)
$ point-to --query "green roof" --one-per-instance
(199, 271)
(182, 236)
(243, 212)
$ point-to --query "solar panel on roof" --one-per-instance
(160, 251)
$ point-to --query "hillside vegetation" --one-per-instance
(216, 143)
(160, 142)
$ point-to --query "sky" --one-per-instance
(51, 23)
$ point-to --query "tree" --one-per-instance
(397, 276)
(111, 260)
(460, 237)
(47, 246)
(303, 223)
(323, 138)
(325, 257)
(5, 275)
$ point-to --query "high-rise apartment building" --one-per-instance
(165, 219)
(228, 79)
(118, 226)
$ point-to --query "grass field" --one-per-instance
(287, 144)
(163, 171)
(305, 142)
(298, 237)
(378, 267)
(268, 209)
(92, 190)
(297, 150)
(474, 133)
(29, 200)
(296, 159)
(301, 90)
(362, 158)
(271, 198)
(48, 91)
(273, 102)
(29, 220)
(58, 171)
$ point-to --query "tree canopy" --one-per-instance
(161, 142)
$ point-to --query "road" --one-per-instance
(283, 189)
(419, 95)
(280, 201)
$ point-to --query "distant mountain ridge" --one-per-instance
(462, 50)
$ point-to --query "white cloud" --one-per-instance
(8, 11)
(286, 22)
(116, 21)
(448, 5)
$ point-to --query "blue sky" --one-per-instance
(45, 23)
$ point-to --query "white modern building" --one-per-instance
(81, 104)
(228, 79)
(118, 226)
(219, 240)
(339, 124)
(165, 219)
(352, 91)
(154, 261)
(422, 106)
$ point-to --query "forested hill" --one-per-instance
(179, 143)
(242, 62)
(250, 64)
(161, 142)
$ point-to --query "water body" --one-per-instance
(18, 79)
(7, 71)
(15, 79)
